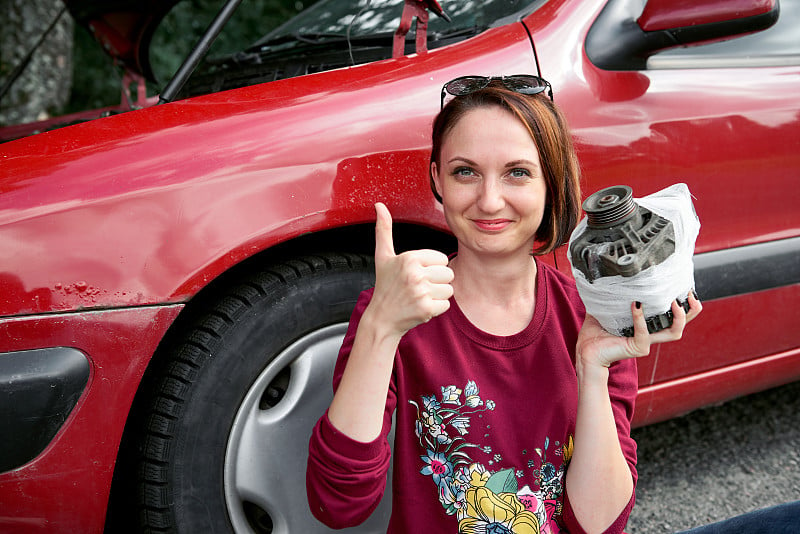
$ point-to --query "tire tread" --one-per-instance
(173, 387)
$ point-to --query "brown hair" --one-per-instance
(549, 130)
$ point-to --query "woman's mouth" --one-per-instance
(491, 225)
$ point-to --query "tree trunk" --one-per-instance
(44, 86)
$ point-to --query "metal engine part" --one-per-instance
(621, 238)
(656, 323)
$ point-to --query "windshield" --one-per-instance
(371, 17)
(332, 34)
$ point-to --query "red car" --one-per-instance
(175, 280)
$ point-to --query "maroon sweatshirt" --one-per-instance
(484, 426)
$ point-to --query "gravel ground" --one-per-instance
(718, 462)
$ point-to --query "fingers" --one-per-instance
(436, 307)
(432, 260)
(439, 273)
(639, 344)
(384, 244)
(695, 306)
(596, 345)
(439, 278)
(410, 288)
(428, 273)
(680, 318)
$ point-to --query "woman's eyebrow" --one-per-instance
(518, 162)
(514, 163)
(461, 159)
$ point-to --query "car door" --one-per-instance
(723, 118)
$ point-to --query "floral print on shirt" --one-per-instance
(486, 501)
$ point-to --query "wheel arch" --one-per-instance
(357, 239)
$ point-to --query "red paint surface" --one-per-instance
(668, 14)
(66, 487)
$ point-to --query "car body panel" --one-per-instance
(642, 129)
(202, 206)
(665, 14)
(66, 487)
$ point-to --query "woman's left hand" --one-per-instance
(598, 347)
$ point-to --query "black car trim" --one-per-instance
(740, 270)
(38, 390)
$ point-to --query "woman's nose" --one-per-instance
(491, 196)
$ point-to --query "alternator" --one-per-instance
(622, 238)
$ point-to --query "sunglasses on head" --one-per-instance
(525, 84)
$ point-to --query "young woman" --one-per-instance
(512, 407)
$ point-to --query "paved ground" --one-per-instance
(718, 462)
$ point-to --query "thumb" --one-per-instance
(384, 244)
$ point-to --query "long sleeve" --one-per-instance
(345, 478)
(622, 389)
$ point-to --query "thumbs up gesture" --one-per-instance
(410, 288)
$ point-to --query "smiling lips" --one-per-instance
(491, 225)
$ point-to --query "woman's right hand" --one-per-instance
(410, 288)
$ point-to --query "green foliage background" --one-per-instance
(96, 80)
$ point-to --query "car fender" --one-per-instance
(149, 206)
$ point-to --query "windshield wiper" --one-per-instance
(450, 33)
(309, 38)
(317, 38)
(256, 53)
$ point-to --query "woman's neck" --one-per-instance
(496, 296)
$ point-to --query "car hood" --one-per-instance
(124, 28)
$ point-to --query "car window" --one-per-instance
(775, 46)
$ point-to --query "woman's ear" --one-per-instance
(436, 182)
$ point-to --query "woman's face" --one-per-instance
(491, 182)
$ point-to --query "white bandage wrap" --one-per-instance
(609, 298)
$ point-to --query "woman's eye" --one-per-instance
(519, 173)
(463, 172)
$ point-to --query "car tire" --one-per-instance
(225, 438)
